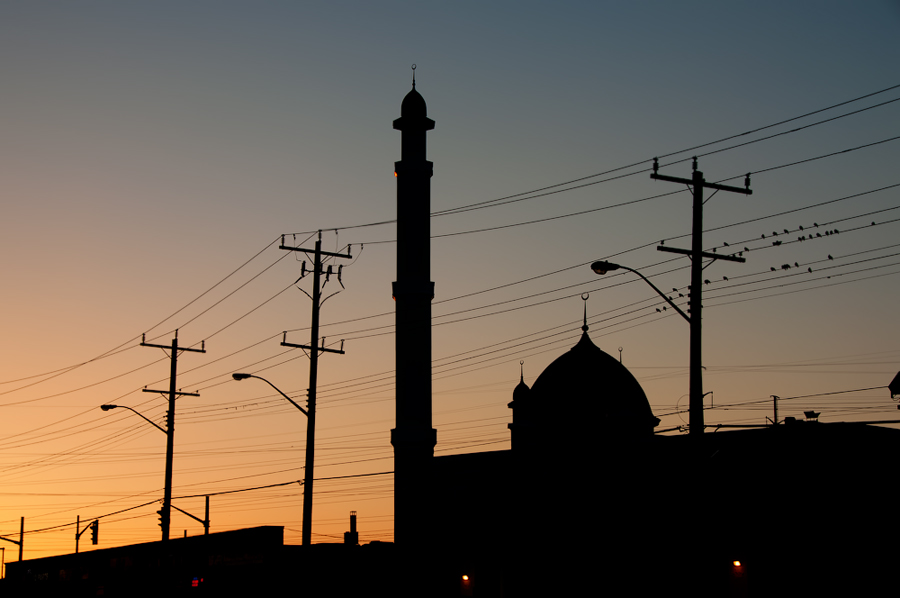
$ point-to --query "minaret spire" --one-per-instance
(413, 436)
(414, 75)
(585, 297)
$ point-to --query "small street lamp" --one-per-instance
(604, 267)
(154, 424)
(310, 455)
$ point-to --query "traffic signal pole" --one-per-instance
(20, 541)
(94, 526)
(697, 184)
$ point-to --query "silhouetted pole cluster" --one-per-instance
(314, 349)
(697, 183)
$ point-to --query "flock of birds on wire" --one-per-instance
(776, 243)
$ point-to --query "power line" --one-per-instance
(635, 201)
(640, 162)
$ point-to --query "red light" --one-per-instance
(736, 563)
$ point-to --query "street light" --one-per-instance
(696, 366)
(166, 512)
(154, 424)
(310, 454)
(602, 267)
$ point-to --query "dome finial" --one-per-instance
(414, 75)
(522, 371)
(585, 297)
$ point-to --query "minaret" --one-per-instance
(413, 437)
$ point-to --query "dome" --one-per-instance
(413, 105)
(587, 385)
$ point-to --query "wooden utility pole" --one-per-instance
(165, 514)
(314, 349)
(697, 184)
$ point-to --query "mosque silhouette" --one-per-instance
(587, 501)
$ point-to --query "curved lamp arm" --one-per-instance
(604, 267)
(245, 376)
(154, 424)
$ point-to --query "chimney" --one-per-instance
(352, 537)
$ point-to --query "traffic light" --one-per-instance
(94, 527)
(162, 518)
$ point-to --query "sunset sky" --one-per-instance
(152, 154)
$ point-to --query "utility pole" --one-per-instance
(697, 183)
(775, 410)
(314, 349)
(166, 512)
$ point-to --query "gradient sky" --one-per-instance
(148, 150)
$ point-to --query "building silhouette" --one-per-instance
(587, 501)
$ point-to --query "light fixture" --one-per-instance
(604, 267)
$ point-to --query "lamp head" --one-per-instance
(603, 267)
(108, 407)
(241, 376)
